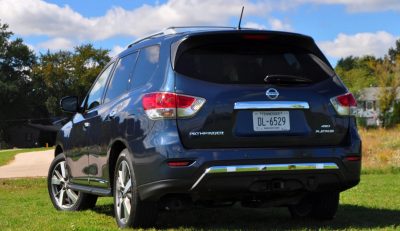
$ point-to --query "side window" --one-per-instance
(146, 66)
(95, 94)
(122, 77)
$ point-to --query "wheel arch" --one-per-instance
(116, 147)
(58, 150)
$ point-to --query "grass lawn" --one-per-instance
(381, 149)
(374, 204)
(8, 155)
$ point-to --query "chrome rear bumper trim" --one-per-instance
(271, 105)
(265, 168)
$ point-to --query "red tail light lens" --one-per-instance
(345, 104)
(347, 100)
(164, 105)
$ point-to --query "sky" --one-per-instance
(339, 27)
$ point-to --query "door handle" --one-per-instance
(86, 124)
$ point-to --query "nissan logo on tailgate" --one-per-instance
(272, 93)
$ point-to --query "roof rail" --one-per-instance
(180, 29)
(166, 31)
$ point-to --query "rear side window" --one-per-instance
(250, 63)
(146, 66)
(121, 79)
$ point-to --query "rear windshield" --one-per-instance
(250, 63)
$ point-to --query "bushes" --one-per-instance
(361, 122)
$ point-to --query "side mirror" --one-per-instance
(69, 104)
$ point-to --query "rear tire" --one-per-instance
(62, 197)
(129, 209)
(326, 205)
(322, 206)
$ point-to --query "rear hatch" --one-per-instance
(261, 90)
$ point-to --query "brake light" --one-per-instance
(345, 104)
(255, 37)
(167, 105)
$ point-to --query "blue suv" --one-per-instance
(210, 116)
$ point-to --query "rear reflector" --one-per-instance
(353, 158)
(179, 163)
(167, 105)
(345, 104)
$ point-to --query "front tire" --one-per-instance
(62, 197)
(129, 209)
(322, 206)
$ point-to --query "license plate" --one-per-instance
(266, 121)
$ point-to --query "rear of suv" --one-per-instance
(210, 116)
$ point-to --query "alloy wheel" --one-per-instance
(123, 192)
(63, 195)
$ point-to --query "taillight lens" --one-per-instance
(345, 104)
(167, 105)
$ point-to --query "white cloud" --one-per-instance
(274, 24)
(359, 44)
(254, 25)
(277, 24)
(36, 17)
(356, 5)
(116, 50)
(56, 44)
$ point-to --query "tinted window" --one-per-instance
(247, 63)
(146, 65)
(94, 97)
(122, 75)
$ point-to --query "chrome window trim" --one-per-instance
(265, 168)
(271, 105)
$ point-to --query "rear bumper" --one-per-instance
(220, 172)
(235, 180)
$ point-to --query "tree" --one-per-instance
(67, 73)
(16, 61)
(358, 72)
(394, 51)
(389, 81)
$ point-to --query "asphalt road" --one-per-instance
(30, 164)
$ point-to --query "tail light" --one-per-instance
(345, 104)
(167, 105)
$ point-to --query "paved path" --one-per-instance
(29, 164)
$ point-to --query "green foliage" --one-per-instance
(67, 73)
(395, 115)
(388, 73)
(16, 61)
(31, 87)
(362, 122)
(362, 72)
(394, 52)
(357, 73)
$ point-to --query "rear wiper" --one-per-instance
(286, 79)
